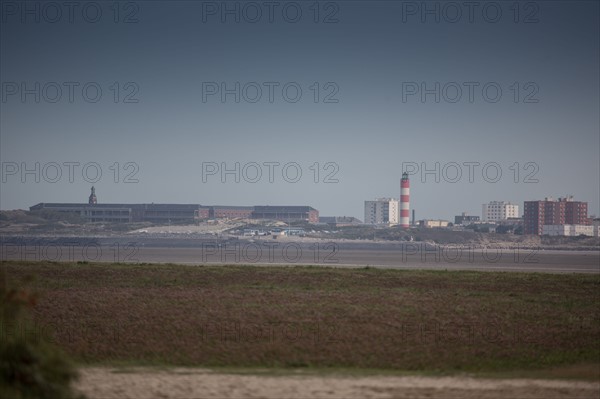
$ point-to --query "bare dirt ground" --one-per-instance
(98, 382)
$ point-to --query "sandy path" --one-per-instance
(199, 383)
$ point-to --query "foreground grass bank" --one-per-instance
(246, 316)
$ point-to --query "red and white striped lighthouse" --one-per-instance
(404, 200)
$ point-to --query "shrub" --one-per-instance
(30, 367)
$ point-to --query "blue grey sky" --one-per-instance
(164, 120)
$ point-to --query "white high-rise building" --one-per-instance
(499, 210)
(382, 211)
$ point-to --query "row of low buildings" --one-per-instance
(182, 213)
(178, 213)
(340, 221)
(570, 230)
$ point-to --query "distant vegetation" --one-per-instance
(436, 235)
(46, 221)
(446, 236)
(52, 222)
(39, 216)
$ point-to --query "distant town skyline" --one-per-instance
(153, 100)
(491, 211)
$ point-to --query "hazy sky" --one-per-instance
(167, 71)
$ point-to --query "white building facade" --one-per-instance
(382, 211)
(571, 230)
(434, 223)
(499, 210)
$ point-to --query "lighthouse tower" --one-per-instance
(404, 200)
(92, 199)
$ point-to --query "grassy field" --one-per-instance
(315, 317)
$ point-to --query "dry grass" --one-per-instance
(246, 316)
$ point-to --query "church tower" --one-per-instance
(92, 200)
